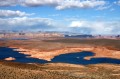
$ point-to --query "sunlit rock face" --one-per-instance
(48, 55)
(9, 59)
(29, 35)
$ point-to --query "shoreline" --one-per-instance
(48, 55)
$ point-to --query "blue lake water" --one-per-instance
(9, 52)
(72, 58)
(78, 58)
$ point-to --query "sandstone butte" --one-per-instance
(48, 55)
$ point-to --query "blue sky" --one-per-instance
(80, 16)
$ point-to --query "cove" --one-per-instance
(71, 58)
(78, 58)
(6, 52)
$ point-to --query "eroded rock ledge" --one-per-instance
(48, 55)
(9, 59)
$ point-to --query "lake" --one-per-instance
(9, 52)
(78, 58)
(72, 58)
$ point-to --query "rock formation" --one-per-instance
(48, 55)
(9, 59)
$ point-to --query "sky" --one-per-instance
(76, 16)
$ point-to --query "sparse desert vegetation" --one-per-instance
(10, 70)
(14, 70)
(54, 47)
(59, 39)
(54, 43)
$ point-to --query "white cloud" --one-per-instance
(8, 2)
(26, 23)
(117, 2)
(97, 27)
(112, 9)
(11, 13)
(80, 4)
(65, 4)
(58, 4)
(103, 7)
(40, 2)
(77, 24)
(55, 15)
(83, 26)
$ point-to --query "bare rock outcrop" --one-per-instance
(48, 55)
(9, 59)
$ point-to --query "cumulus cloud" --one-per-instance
(11, 13)
(41, 2)
(58, 4)
(8, 2)
(83, 26)
(26, 23)
(96, 27)
(80, 4)
(77, 24)
(64, 4)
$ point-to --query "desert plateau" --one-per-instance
(92, 59)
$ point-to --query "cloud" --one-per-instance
(117, 2)
(8, 2)
(96, 27)
(47, 24)
(65, 4)
(26, 23)
(55, 15)
(34, 3)
(77, 24)
(80, 4)
(104, 7)
(58, 4)
(11, 13)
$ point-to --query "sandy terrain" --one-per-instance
(48, 49)
(12, 70)
(48, 55)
